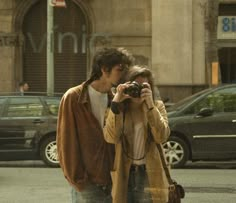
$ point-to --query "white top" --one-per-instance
(139, 144)
(99, 103)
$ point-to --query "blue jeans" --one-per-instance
(138, 180)
(92, 194)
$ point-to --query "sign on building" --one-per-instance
(58, 3)
(226, 27)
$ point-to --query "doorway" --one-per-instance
(70, 57)
(227, 61)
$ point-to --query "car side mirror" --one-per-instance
(205, 112)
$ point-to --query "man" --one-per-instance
(23, 87)
(85, 158)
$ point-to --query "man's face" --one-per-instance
(115, 75)
(26, 87)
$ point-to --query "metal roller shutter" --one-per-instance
(69, 65)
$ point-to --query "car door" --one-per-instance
(52, 105)
(214, 136)
(22, 120)
(2, 103)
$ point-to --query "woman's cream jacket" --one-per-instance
(158, 122)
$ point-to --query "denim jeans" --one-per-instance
(138, 180)
(92, 194)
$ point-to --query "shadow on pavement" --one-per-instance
(210, 165)
(189, 165)
(23, 164)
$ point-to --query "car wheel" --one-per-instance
(48, 152)
(176, 151)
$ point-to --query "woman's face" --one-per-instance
(140, 80)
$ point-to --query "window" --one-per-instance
(2, 100)
(53, 105)
(24, 107)
(227, 58)
(223, 100)
(227, 9)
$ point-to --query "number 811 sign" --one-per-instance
(226, 27)
(229, 24)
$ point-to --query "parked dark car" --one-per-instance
(28, 128)
(203, 127)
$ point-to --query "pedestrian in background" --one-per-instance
(135, 124)
(84, 156)
(23, 87)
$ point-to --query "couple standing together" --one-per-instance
(107, 140)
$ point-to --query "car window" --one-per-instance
(186, 101)
(2, 100)
(223, 100)
(24, 107)
(53, 105)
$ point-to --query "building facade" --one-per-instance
(179, 40)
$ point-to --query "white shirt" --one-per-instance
(139, 144)
(99, 103)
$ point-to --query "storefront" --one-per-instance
(226, 36)
(79, 30)
(70, 56)
(179, 41)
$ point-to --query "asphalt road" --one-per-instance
(33, 182)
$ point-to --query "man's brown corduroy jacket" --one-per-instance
(84, 155)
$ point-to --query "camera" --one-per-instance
(134, 90)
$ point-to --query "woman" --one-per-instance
(135, 124)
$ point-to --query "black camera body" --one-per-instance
(134, 90)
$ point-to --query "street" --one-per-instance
(33, 182)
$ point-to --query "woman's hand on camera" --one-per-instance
(146, 94)
(120, 95)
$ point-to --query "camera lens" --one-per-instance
(134, 90)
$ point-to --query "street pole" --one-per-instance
(50, 50)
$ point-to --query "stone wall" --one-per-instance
(125, 24)
(178, 47)
(6, 46)
(172, 41)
